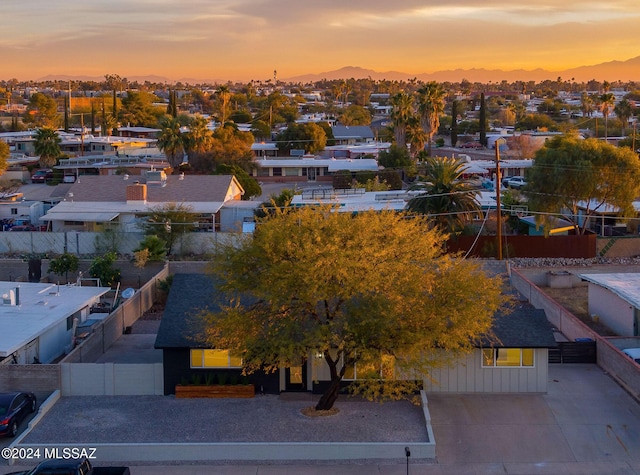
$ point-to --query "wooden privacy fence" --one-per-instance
(526, 246)
(569, 352)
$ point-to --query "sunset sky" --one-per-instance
(248, 39)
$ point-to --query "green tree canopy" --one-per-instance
(64, 264)
(47, 146)
(138, 109)
(536, 121)
(395, 158)
(42, 111)
(249, 184)
(309, 137)
(371, 290)
(568, 172)
(169, 222)
(355, 115)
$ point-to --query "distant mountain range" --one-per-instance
(628, 70)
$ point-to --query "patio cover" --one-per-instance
(87, 216)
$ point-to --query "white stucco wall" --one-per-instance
(613, 311)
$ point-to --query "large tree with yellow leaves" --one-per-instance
(372, 291)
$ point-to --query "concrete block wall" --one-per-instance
(609, 357)
(110, 379)
(111, 328)
(32, 377)
(92, 243)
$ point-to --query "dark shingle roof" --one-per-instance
(180, 326)
(524, 327)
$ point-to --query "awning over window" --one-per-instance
(81, 216)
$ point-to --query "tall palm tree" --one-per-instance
(430, 108)
(607, 101)
(171, 141)
(416, 136)
(225, 96)
(586, 105)
(624, 111)
(448, 197)
(401, 114)
(47, 145)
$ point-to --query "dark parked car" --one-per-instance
(14, 407)
(476, 145)
(42, 176)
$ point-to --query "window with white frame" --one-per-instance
(385, 370)
(214, 359)
(507, 357)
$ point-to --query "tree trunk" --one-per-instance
(330, 396)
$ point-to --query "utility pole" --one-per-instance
(498, 205)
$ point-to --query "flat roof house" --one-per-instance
(37, 319)
(615, 300)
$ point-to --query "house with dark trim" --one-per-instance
(516, 362)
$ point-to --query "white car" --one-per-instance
(516, 182)
(633, 353)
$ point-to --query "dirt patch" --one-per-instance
(312, 412)
(154, 313)
(576, 300)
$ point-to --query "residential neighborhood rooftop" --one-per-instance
(29, 309)
(626, 286)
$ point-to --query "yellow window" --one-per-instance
(527, 357)
(235, 361)
(508, 357)
(216, 358)
(196, 358)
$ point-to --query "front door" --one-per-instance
(296, 378)
(311, 174)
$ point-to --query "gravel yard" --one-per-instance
(268, 418)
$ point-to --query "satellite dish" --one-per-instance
(128, 293)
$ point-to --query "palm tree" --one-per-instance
(416, 136)
(199, 138)
(607, 101)
(449, 197)
(171, 141)
(47, 145)
(624, 112)
(430, 108)
(225, 95)
(586, 105)
(400, 116)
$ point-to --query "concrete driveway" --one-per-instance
(585, 420)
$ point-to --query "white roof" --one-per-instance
(42, 306)
(97, 211)
(624, 285)
(86, 216)
(332, 164)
